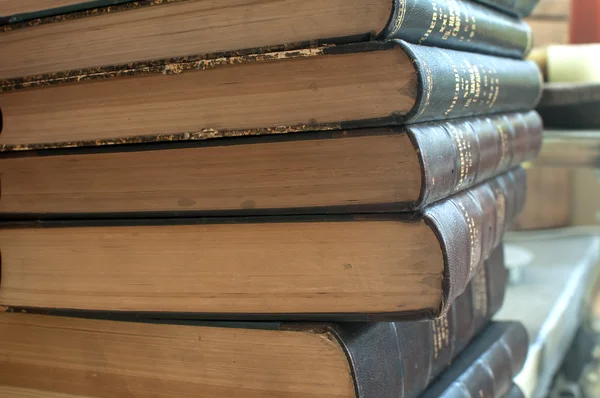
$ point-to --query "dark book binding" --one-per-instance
(485, 368)
(399, 359)
(458, 154)
(452, 84)
(458, 24)
(471, 224)
(457, 84)
(454, 155)
(461, 25)
(521, 8)
(468, 225)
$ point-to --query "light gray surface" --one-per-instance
(548, 299)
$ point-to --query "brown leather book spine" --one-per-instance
(399, 359)
(458, 154)
(470, 225)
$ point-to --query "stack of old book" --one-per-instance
(183, 171)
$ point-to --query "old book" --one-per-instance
(323, 88)
(157, 29)
(521, 8)
(485, 368)
(100, 358)
(364, 170)
(390, 265)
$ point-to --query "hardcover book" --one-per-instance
(364, 170)
(361, 266)
(320, 88)
(487, 366)
(99, 358)
(117, 32)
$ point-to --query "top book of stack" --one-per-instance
(114, 32)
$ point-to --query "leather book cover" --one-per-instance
(458, 25)
(400, 359)
(470, 225)
(485, 368)
(473, 150)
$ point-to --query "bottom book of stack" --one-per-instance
(66, 356)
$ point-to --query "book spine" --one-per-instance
(460, 25)
(457, 84)
(459, 154)
(492, 373)
(519, 8)
(399, 359)
(471, 224)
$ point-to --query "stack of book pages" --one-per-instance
(261, 198)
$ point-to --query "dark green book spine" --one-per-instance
(459, 25)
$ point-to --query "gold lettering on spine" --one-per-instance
(503, 142)
(477, 90)
(441, 335)
(480, 293)
(474, 236)
(474, 84)
(500, 210)
(434, 19)
(450, 18)
(457, 81)
(496, 91)
(444, 19)
(465, 154)
(473, 27)
(457, 22)
(490, 86)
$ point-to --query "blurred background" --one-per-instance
(553, 253)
